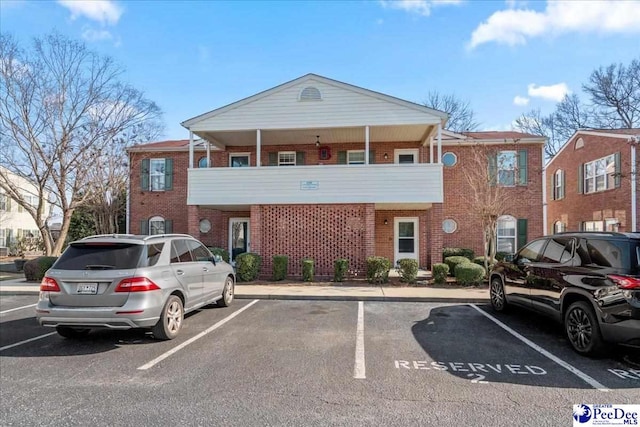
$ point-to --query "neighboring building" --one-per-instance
(592, 182)
(15, 221)
(322, 169)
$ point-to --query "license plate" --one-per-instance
(87, 288)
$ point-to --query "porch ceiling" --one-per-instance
(403, 133)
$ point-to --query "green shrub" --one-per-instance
(308, 270)
(280, 267)
(500, 256)
(35, 269)
(465, 252)
(378, 269)
(222, 252)
(440, 272)
(408, 270)
(248, 266)
(469, 273)
(480, 261)
(453, 261)
(340, 268)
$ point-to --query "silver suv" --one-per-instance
(126, 281)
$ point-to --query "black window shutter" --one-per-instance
(144, 174)
(144, 227)
(522, 167)
(342, 157)
(168, 226)
(273, 159)
(299, 158)
(616, 177)
(522, 232)
(554, 186)
(168, 174)
(581, 178)
(493, 169)
(372, 157)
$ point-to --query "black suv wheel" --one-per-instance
(583, 330)
(496, 291)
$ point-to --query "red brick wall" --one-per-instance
(576, 208)
(525, 201)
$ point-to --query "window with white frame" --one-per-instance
(157, 174)
(559, 227)
(355, 157)
(3, 237)
(4, 203)
(156, 225)
(593, 226)
(287, 158)
(558, 185)
(507, 162)
(600, 174)
(506, 234)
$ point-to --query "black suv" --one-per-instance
(589, 281)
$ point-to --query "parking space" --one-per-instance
(299, 362)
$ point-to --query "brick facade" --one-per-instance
(327, 232)
(576, 208)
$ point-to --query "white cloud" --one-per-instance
(420, 7)
(93, 35)
(514, 26)
(102, 11)
(520, 101)
(555, 92)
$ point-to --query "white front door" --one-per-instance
(405, 238)
(239, 237)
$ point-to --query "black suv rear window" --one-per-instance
(99, 256)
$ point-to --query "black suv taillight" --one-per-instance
(625, 282)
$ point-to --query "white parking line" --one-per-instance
(7, 347)
(577, 372)
(197, 337)
(359, 367)
(16, 309)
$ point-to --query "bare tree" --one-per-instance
(535, 123)
(615, 91)
(461, 115)
(61, 109)
(489, 200)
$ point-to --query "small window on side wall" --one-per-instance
(449, 159)
(449, 226)
(203, 162)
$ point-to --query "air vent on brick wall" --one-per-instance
(310, 93)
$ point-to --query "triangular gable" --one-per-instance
(341, 104)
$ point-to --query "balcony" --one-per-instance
(410, 186)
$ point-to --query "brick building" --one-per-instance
(322, 169)
(592, 182)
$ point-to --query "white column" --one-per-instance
(430, 149)
(544, 197)
(258, 148)
(634, 180)
(439, 142)
(190, 150)
(366, 145)
(208, 154)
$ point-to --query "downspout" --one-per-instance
(544, 197)
(190, 150)
(127, 216)
(634, 179)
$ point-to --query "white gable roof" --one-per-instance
(340, 105)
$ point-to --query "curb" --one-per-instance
(364, 298)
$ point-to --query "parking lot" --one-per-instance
(266, 362)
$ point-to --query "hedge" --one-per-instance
(453, 261)
(222, 252)
(35, 269)
(308, 270)
(280, 267)
(378, 269)
(340, 268)
(469, 273)
(248, 266)
(480, 261)
(408, 270)
(465, 252)
(440, 272)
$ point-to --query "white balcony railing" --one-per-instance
(389, 183)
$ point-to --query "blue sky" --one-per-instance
(504, 57)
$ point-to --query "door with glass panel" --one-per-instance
(406, 238)
(239, 237)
